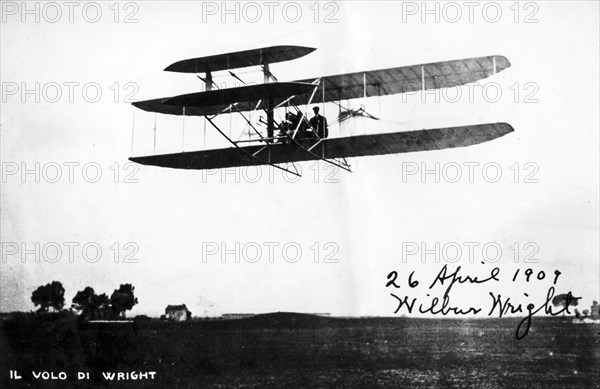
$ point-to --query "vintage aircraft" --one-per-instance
(280, 148)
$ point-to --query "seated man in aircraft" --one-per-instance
(287, 127)
(297, 121)
(319, 124)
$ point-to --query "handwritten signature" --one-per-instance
(499, 306)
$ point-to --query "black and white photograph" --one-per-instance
(300, 194)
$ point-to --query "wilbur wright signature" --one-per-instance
(500, 306)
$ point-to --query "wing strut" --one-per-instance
(132, 131)
(321, 157)
(183, 131)
(254, 156)
(270, 131)
(234, 106)
(154, 150)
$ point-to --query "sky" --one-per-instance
(323, 243)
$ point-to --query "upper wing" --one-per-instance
(213, 102)
(240, 94)
(404, 79)
(159, 106)
(333, 88)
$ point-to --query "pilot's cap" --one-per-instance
(316, 109)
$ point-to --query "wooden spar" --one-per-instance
(364, 85)
(132, 131)
(270, 105)
(266, 73)
(208, 80)
(270, 118)
(154, 133)
(339, 104)
(183, 131)
(323, 98)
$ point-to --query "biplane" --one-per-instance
(279, 144)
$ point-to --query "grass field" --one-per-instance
(292, 350)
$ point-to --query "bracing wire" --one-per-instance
(132, 132)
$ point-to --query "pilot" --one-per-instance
(293, 120)
(287, 127)
(319, 124)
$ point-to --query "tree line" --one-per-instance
(87, 303)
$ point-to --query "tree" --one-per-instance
(48, 296)
(100, 305)
(90, 304)
(40, 297)
(565, 300)
(82, 301)
(122, 299)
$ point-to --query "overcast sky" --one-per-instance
(365, 220)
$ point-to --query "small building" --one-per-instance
(177, 313)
